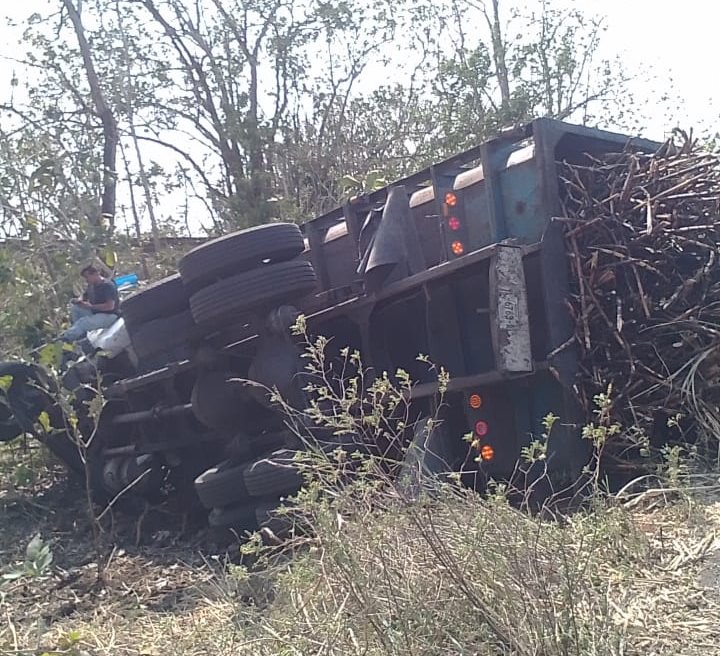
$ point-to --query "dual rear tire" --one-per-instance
(242, 496)
(222, 282)
(248, 271)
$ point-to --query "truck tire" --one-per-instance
(243, 447)
(79, 376)
(9, 428)
(159, 299)
(251, 517)
(273, 476)
(244, 517)
(238, 252)
(164, 334)
(61, 445)
(218, 400)
(30, 392)
(263, 287)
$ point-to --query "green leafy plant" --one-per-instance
(68, 645)
(356, 185)
(5, 383)
(676, 464)
(37, 563)
(378, 571)
(537, 449)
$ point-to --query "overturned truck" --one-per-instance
(462, 262)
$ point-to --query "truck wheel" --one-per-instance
(9, 429)
(251, 517)
(264, 287)
(238, 252)
(227, 484)
(30, 393)
(164, 334)
(240, 518)
(159, 299)
(217, 399)
(61, 445)
(243, 447)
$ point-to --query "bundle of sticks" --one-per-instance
(643, 237)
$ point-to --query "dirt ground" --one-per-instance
(148, 586)
(165, 588)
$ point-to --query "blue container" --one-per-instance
(123, 282)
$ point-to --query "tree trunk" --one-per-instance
(130, 105)
(499, 55)
(103, 110)
(133, 204)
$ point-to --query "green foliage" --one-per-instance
(345, 399)
(44, 421)
(50, 355)
(677, 464)
(604, 428)
(537, 449)
(68, 645)
(369, 569)
(37, 563)
(382, 576)
(357, 185)
(293, 99)
(5, 383)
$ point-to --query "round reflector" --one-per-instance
(487, 452)
(457, 248)
(475, 401)
(482, 428)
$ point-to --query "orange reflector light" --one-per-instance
(450, 199)
(481, 428)
(457, 248)
(475, 401)
(454, 223)
(487, 452)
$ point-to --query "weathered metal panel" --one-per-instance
(525, 217)
(509, 311)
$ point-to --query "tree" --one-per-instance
(550, 67)
(461, 87)
(104, 112)
(242, 111)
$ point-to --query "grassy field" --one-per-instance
(458, 575)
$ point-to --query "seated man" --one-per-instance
(98, 307)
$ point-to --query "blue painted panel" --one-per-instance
(522, 202)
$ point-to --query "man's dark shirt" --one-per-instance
(102, 292)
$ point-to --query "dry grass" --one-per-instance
(465, 576)
(453, 576)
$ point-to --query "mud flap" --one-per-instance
(510, 321)
(390, 249)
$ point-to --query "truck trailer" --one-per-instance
(463, 262)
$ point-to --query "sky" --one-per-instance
(679, 41)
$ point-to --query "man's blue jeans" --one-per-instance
(83, 321)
